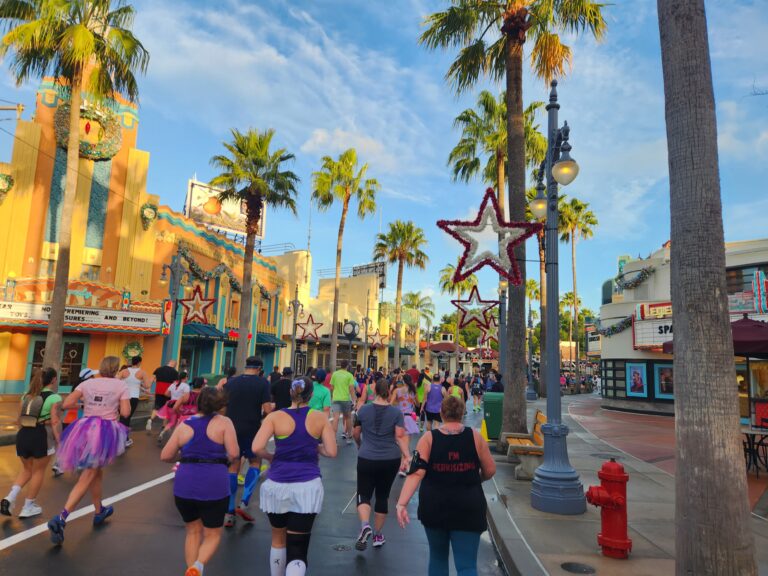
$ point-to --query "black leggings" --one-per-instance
(127, 421)
(299, 527)
(378, 476)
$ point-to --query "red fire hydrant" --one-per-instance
(611, 496)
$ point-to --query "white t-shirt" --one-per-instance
(178, 389)
(133, 383)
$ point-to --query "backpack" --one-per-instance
(31, 408)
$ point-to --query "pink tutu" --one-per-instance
(91, 443)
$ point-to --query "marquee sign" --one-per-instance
(82, 318)
(651, 334)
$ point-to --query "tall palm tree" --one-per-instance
(490, 37)
(570, 302)
(343, 180)
(403, 245)
(425, 312)
(448, 286)
(252, 173)
(576, 221)
(484, 133)
(713, 529)
(88, 46)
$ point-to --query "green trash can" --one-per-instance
(493, 404)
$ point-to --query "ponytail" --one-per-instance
(41, 378)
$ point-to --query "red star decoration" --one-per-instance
(489, 333)
(377, 339)
(474, 309)
(195, 308)
(500, 257)
(309, 329)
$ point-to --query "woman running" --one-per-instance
(369, 391)
(94, 441)
(179, 395)
(383, 450)
(292, 496)
(404, 397)
(434, 398)
(207, 442)
(451, 465)
(36, 441)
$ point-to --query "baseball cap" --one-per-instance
(320, 375)
(86, 373)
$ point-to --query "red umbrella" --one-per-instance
(750, 338)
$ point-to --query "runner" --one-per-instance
(248, 397)
(292, 496)
(281, 390)
(321, 397)
(231, 371)
(477, 392)
(451, 464)
(94, 441)
(454, 389)
(431, 408)
(179, 395)
(207, 442)
(40, 418)
(368, 394)
(136, 380)
(404, 397)
(343, 386)
(164, 377)
(383, 450)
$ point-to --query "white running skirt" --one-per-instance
(300, 497)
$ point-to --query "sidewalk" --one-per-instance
(534, 543)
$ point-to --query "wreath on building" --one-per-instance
(616, 328)
(133, 349)
(642, 275)
(110, 133)
(6, 184)
(148, 213)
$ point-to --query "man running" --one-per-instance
(164, 377)
(343, 386)
(248, 398)
(281, 390)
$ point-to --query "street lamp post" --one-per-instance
(530, 393)
(296, 308)
(503, 326)
(176, 270)
(556, 485)
(350, 329)
(366, 323)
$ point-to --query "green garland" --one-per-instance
(133, 349)
(642, 276)
(6, 183)
(197, 272)
(616, 328)
(148, 213)
(111, 134)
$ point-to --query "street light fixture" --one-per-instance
(556, 485)
(350, 330)
(296, 309)
(539, 204)
(503, 285)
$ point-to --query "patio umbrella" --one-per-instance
(750, 338)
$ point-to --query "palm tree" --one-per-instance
(570, 302)
(713, 531)
(576, 221)
(490, 37)
(448, 286)
(425, 312)
(401, 245)
(252, 173)
(484, 131)
(343, 180)
(88, 46)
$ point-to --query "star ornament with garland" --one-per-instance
(376, 339)
(309, 329)
(489, 240)
(489, 333)
(196, 308)
(474, 309)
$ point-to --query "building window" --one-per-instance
(90, 272)
(740, 279)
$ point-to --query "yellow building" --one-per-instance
(123, 244)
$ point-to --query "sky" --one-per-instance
(333, 74)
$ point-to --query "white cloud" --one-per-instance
(323, 142)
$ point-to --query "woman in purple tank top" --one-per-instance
(293, 494)
(207, 442)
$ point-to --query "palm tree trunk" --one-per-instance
(456, 333)
(575, 306)
(542, 314)
(337, 284)
(514, 378)
(246, 298)
(398, 310)
(55, 336)
(500, 157)
(713, 530)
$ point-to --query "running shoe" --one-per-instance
(343, 435)
(242, 511)
(193, 571)
(148, 427)
(6, 506)
(240, 480)
(29, 510)
(100, 517)
(128, 443)
(56, 527)
(56, 471)
(362, 541)
(379, 540)
(229, 520)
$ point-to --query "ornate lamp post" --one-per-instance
(366, 323)
(350, 330)
(177, 272)
(530, 392)
(295, 309)
(503, 284)
(556, 485)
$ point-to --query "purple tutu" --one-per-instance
(411, 424)
(91, 443)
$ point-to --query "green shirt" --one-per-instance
(321, 397)
(53, 399)
(341, 380)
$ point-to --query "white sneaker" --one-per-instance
(148, 427)
(30, 509)
(128, 443)
(56, 471)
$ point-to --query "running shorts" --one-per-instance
(343, 407)
(32, 442)
(210, 512)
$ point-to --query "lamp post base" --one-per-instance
(556, 486)
(530, 393)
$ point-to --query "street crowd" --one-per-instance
(250, 427)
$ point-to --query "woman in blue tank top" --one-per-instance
(207, 442)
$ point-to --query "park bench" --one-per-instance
(527, 449)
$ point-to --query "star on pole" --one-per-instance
(489, 333)
(479, 251)
(474, 309)
(196, 308)
(376, 339)
(309, 329)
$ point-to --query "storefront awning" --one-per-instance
(403, 351)
(269, 340)
(202, 332)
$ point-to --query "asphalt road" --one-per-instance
(146, 534)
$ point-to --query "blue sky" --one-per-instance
(329, 74)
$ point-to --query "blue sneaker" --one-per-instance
(100, 517)
(56, 526)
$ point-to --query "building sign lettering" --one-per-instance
(26, 314)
